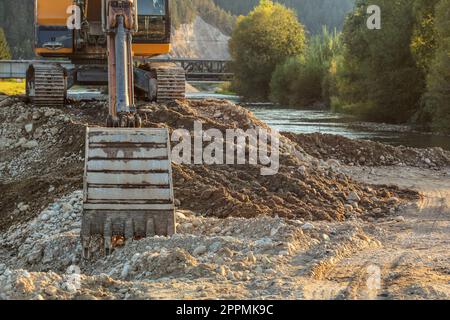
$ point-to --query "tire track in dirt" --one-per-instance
(414, 259)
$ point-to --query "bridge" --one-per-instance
(197, 70)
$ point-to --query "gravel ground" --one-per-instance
(240, 235)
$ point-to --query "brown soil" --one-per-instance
(302, 188)
(369, 153)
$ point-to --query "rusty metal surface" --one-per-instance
(128, 188)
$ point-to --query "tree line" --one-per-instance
(398, 74)
(314, 14)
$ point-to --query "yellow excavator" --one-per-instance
(128, 189)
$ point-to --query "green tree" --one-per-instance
(5, 53)
(379, 78)
(423, 43)
(437, 98)
(269, 35)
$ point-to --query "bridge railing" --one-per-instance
(196, 69)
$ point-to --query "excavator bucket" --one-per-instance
(128, 190)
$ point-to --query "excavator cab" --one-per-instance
(153, 22)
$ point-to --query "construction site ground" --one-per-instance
(342, 219)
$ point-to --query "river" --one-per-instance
(299, 120)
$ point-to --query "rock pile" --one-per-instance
(41, 259)
(368, 153)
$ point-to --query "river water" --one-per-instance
(298, 120)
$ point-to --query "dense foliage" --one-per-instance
(269, 35)
(16, 19)
(304, 80)
(437, 97)
(400, 73)
(5, 52)
(380, 79)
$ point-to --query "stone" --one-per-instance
(400, 219)
(28, 127)
(125, 271)
(66, 207)
(348, 207)
(222, 271)
(333, 163)
(31, 144)
(308, 226)
(393, 200)
(251, 257)
(216, 246)
(50, 113)
(180, 215)
(199, 251)
(21, 142)
(274, 231)
(325, 237)
(302, 170)
(353, 197)
(50, 291)
(216, 230)
(264, 243)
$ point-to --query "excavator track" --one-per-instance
(46, 85)
(170, 80)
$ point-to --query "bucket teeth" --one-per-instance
(129, 230)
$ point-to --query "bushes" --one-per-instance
(302, 81)
(437, 97)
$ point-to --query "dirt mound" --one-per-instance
(43, 155)
(41, 158)
(303, 188)
(368, 153)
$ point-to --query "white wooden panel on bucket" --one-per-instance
(128, 165)
(128, 194)
(128, 178)
(127, 153)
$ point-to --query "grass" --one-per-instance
(225, 88)
(12, 87)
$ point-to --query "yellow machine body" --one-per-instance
(53, 37)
